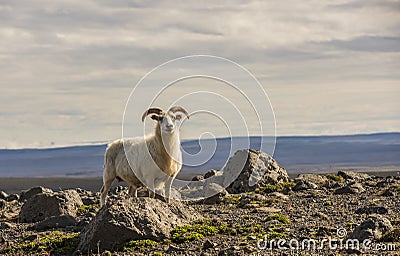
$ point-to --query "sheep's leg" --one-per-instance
(168, 184)
(133, 190)
(104, 190)
(152, 194)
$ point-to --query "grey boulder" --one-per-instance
(248, 169)
(132, 219)
(25, 195)
(44, 205)
(373, 228)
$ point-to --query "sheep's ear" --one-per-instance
(155, 117)
(178, 117)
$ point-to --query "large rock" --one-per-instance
(25, 195)
(132, 219)
(248, 169)
(44, 205)
(373, 228)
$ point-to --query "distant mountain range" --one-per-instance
(377, 152)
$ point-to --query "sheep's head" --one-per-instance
(167, 120)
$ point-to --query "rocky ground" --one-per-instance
(325, 210)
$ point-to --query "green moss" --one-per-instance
(134, 245)
(157, 254)
(232, 199)
(335, 178)
(56, 242)
(206, 227)
(275, 235)
(278, 187)
(327, 203)
(279, 217)
(82, 210)
(398, 189)
(392, 236)
(198, 230)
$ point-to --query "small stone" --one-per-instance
(3, 195)
(331, 184)
(208, 244)
(311, 177)
(304, 185)
(249, 249)
(210, 173)
(6, 225)
(353, 188)
(322, 215)
(279, 195)
(357, 176)
(388, 192)
(12, 197)
(267, 210)
(372, 210)
(198, 178)
(61, 221)
(174, 248)
(214, 193)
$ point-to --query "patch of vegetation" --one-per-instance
(134, 245)
(207, 227)
(232, 199)
(198, 230)
(279, 217)
(398, 189)
(278, 187)
(392, 236)
(336, 178)
(56, 242)
(157, 254)
(82, 210)
(275, 235)
(327, 203)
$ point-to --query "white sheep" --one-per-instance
(153, 158)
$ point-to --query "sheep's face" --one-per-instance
(168, 122)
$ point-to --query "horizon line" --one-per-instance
(100, 143)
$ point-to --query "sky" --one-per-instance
(67, 68)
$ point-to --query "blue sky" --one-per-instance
(68, 67)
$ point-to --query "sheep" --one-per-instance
(155, 157)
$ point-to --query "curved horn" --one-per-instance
(179, 109)
(157, 111)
